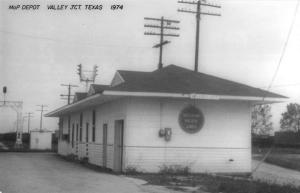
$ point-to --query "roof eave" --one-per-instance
(108, 95)
(195, 96)
(93, 100)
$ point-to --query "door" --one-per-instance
(118, 145)
(104, 145)
(73, 130)
(87, 133)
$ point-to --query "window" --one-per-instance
(80, 125)
(87, 133)
(94, 126)
(76, 132)
(73, 130)
(60, 127)
(104, 140)
(69, 128)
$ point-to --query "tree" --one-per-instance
(261, 120)
(290, 120)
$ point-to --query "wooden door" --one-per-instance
(104, 157)
(118, 145)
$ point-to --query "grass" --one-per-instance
(290, 161)
(174, 169)
(215, 184)
(25, 147)
(84, 162)
(284, 157)
(277, 150)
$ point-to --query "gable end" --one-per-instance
(118, 79)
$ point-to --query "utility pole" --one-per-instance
(198, 12)
(29, 115)
(41, 119)
(69, 92)
(164, 25)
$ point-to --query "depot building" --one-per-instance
(168, 117)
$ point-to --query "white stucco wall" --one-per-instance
(225, 136)
(105, 114)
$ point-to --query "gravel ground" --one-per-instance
(48, 173)
(275, 174)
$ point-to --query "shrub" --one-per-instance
(132, 170)
(72, 157)
(174, 169)
(84, 160)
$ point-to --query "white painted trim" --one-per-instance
(167, 95)
(73, 105)
(192, 96)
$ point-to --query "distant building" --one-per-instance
(40, 140)
(171, 116)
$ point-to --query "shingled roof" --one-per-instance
(79, 96)
(175, 79)
(170, 81)
(98, 88)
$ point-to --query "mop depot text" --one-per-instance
(61, 7)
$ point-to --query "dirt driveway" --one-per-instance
(48, 173)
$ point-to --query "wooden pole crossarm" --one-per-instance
(202, 13)
(204, 4)
(213, 14)
(211, 5)
(165, 27)
(158, 34)
(161, 44)
(159, 19)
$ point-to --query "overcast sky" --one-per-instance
(41, 49)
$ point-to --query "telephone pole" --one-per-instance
(164, 25)
(198, 12)
(69, 92)
(29, 115)
(41, 119)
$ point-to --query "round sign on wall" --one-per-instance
(191, 119)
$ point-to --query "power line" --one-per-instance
(165, 24)
(281, 85)
(42, 111)
(65, 41)
(198, 12)
(29, 115)
(274, 76)
(69, 92)
(284, 47)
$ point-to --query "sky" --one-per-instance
(40, 49)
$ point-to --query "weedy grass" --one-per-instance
(216, 184)
(284, 157)
(174, 170)
(290, 161)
